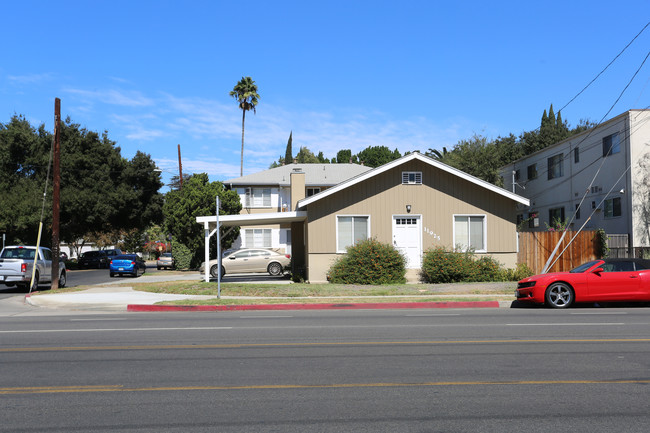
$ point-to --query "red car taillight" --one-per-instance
(133, 263)
(288, 256)
(23, 267)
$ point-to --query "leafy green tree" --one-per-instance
(24, 156)
(344, 156)
(198, 198)
(322, 159)
(305, 156)
(101, 192)
(245, 92)
(374, 156)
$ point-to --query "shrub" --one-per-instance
(522, 271)
(182, 256)
(440, 265)
(369, 262)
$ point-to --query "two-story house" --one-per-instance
(270, 191)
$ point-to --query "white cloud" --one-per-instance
(112, 97)
(29, 78)
(210, 131)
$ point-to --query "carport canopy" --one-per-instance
(212, 223)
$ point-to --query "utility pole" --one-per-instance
(180, 166)
(56, 187)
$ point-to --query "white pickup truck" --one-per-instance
(16, 263)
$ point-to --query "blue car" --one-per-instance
(129, 264)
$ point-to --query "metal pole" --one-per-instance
(218, 252)
(56, 194)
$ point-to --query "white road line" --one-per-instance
(92, 320)
(564, 324)
(264, 317)
(430, 315)
(599, 314)
(35, 331)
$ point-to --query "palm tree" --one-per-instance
(245, 92)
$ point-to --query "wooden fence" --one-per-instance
(536, 247)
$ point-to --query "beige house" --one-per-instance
(414, 202)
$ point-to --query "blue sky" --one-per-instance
(339, 74)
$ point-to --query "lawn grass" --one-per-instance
(299, 290)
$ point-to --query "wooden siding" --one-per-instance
(536, 247)
(436, 201)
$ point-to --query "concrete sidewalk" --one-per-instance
(110, 298)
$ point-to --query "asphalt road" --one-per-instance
(502, 370)
(84, 277)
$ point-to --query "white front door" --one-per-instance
(407, 239)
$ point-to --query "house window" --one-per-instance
(576, 155)
(611, 144)
(613, 207)
(517, 175)
(258, 197)
(577, 211)
(532, 171)
(556, 216)
(555, 166)
(533, 219)
(350, 230)
(312, 191)
(469, 232)
(412, 177)
(258, 238)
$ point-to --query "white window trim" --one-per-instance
(485, 233)
(248, 198)
(350, 215)
(418, 177)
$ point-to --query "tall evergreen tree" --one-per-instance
(288, 154)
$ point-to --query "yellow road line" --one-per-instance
(120, 388)
(351, 343)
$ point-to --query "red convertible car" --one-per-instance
(608, 280)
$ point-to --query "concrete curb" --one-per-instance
(359, 306)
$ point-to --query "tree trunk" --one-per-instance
(241, 166)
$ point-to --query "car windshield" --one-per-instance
(582, 268)
(18, 253)
(92, 254)
(166, 255)
(124, 257)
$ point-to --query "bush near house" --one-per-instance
(182, 256)
(369, 262)
(440, 265)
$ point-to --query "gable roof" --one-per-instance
(315, 175)
(403, 160)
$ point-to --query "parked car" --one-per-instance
(166, 260)
(93, 259)
(248, 260)
(130, 264)
(609, 280)
(17, 263)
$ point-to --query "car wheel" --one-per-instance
(158, 267)
(62, 280)
(35, 285)
(112, 274)
(275, 269)
(559, 295)
(214, 269)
